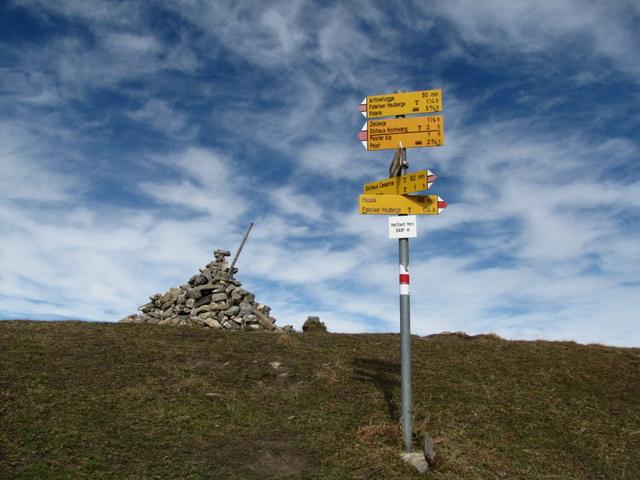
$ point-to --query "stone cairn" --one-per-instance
(212, 299)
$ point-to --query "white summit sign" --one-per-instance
(403, 227)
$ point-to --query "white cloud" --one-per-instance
(132, 43)
(543, 26)
(550, 204)
(23, 177)
(160, 115)
(288, 201)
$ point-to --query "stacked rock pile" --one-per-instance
(212, 299)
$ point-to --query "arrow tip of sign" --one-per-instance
(363, 107)
(441, 204)
(364, 144)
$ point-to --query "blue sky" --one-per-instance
(138, 136)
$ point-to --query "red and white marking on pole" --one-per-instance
(404, 280)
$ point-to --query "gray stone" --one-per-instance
(263, 309)
(198, 279)
(205, 289)
(234, 326)
(249, 297)
(234, 310)
(166, 298)
(245, 308)
(147, 307)
(202, 309)
(212, 323)
(219, 306)
(190, 302)
(223, 253)
(241, 291)
(202, 301)
(264, 321)
(416, 460)
(313, 324)
(252, 326)
(207, 273)
(219, 297)
(236, 297)
(166, 305)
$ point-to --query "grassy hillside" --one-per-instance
(82, 400)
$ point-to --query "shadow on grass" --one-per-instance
(384, 375)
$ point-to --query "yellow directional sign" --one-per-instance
(401, 204)
(410, 132)
(405, 103)
(410, 183)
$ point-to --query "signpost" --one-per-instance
(411, 132)
(401, 204)
(390, 196)
(404, 103)
(401, 185)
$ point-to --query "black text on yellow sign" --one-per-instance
(401, 185)
(405, 103)
(414, 132)
(400, 204)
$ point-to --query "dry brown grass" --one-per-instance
(82, 400)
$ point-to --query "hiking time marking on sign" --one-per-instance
(405, 103)
(401, 204)
(404, 184)
(413, 132)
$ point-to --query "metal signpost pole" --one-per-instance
(405, 338)
(405, 343)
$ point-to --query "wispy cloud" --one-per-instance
(137, 137)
